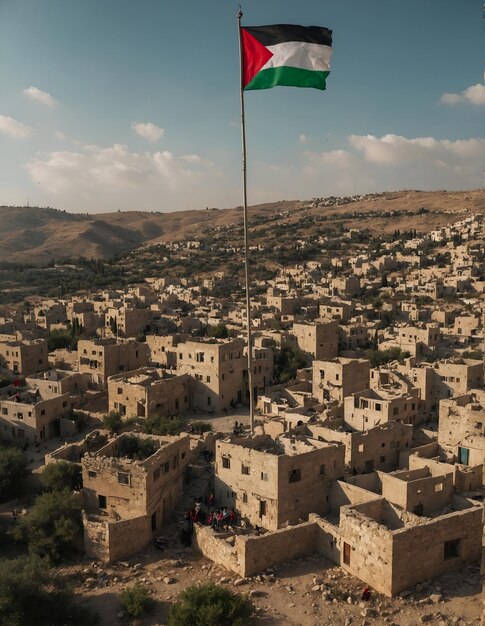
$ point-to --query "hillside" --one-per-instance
(36, 235)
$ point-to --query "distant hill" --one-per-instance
(36, 235)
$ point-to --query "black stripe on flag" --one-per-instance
(281, 33)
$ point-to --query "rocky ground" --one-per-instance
(304, 592)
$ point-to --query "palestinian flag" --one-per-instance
(285, 54)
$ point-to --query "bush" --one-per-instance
(13, 470)
(135, 448)
(209, 605)
(113, 422)
(200, 427)
(135, 600)
(381, 357)
(156, 425)
(53, 529)
(219, 331)
(62, 475)
(28, 596)
(287, 362)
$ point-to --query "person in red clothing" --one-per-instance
(366, 594)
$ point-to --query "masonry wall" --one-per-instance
(418, 551)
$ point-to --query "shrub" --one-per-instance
(113, 422)
(28, 596)
(53, 528)
(13, 470)
(135, 600)
(135, 448)
(200, 427)
(209, 605)
(62, 475)
(156, 425)
(219, 331)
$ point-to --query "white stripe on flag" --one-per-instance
(305, 56)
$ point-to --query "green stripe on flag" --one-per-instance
(287, 77)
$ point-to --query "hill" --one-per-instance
(37, 235)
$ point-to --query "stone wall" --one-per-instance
(111, 540)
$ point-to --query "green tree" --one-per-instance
(62, 475)
(28, 595)
(13, 470)
(287, 362)
(113, 422)
(220, 331)
(157, 425)
(53, 528)
(135, 600)
(210, 605)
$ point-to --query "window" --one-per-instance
(264, 476)
(123, 478)
(438, 487)
(156, 474)
(245, 470)
(346, 554)
(4, 411)
(378, 406)
(42, 412)
(395, 410)
(119, 390)
(383, 445)
(208, 400)
(451, 549)
(245, 498)
(383, 459)
(102, 502)
(361, 447)
(262, 508)
(294, 475)
(208, 379)
(322, 470)
(226, 462)
(165, 468)
(199, 357)
(20, 416)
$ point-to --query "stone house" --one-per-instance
(25, 357)
(318, 339)
(148, 392)
(372, 407)
(127, 321)
(338, 378)
(130, 488)
(29, 415)
(274, 482)
(105, 357)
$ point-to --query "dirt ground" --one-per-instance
(305, 592)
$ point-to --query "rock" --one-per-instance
(404, 594)
(316, 588)
(349, 600)
(435, 598)
(256, 593)
(137, 566)
(428, 617)
(120, 614)
(168, 580)
(292, 605)
(238, 582)
(419, 587)
(317, 581)
(224, 580)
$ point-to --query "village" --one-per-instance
(366, 459)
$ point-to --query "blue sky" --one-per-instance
(124, 104)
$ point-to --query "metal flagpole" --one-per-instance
(245, 213)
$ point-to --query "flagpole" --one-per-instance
(245, 214)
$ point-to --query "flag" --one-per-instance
(285, 54)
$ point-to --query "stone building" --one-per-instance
(148, 392)
(372, 407)
(318, 339)
(127, 321)
(461, 430)
(130, 488)
(217, 367)
(25, 357)
(338, 378)
(105, 357)
(29, 415)
(274, 482)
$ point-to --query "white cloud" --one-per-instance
(302, 138)
(14, 128)
(394, 162)
(60, 135)
(40, 96)
(147, 130)
(114, 177)
(472, 95)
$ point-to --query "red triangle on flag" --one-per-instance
(255, 56)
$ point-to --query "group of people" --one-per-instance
(238, 428)
(218, 518)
